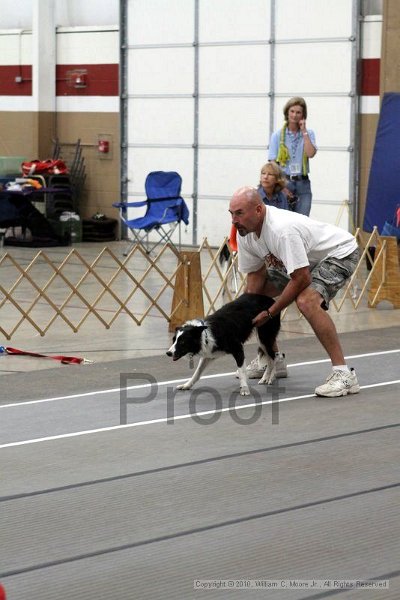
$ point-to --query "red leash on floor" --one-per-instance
(65, 360)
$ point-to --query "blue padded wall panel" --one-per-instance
(383, 195)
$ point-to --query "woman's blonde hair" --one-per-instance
(277, 171)
(296, 101)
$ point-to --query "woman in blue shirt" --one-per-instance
(291, 147)
(272, 182)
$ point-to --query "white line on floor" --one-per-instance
(172, 381)
(178, 417)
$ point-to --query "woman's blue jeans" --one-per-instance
(301, 189)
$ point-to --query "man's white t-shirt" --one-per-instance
(290, 241)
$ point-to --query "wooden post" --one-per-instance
(187, 302)
(385, 280)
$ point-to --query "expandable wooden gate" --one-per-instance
(175, 286)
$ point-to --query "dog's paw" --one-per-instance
(244, 391)
(184, 386)
(267, 379)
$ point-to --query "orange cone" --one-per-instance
(2, 593)
(233, 239)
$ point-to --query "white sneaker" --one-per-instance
(339, 383)
(280, 365)
(253, 371)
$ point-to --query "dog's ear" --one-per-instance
(199, 327)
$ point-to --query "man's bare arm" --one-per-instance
(258, 283)
(300, 279)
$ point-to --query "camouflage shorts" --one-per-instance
(331, 274)
(328, 276)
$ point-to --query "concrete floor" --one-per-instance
(114, 486)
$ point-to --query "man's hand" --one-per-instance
(291, 196)
(261, 318)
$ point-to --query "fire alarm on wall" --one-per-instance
(104, 145)
(77, 78)
(80, 80)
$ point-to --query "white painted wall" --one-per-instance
(15, 47)
(85, 44)
(371, 48)
(16, 14)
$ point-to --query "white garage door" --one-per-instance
(203, 86)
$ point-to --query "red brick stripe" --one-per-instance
(102, 80)
(370, 69)
(8, 85)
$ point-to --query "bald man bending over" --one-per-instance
(300, 260)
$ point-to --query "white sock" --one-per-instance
(341, 368)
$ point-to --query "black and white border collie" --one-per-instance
(225, 332)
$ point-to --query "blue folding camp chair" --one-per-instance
(166, 210)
